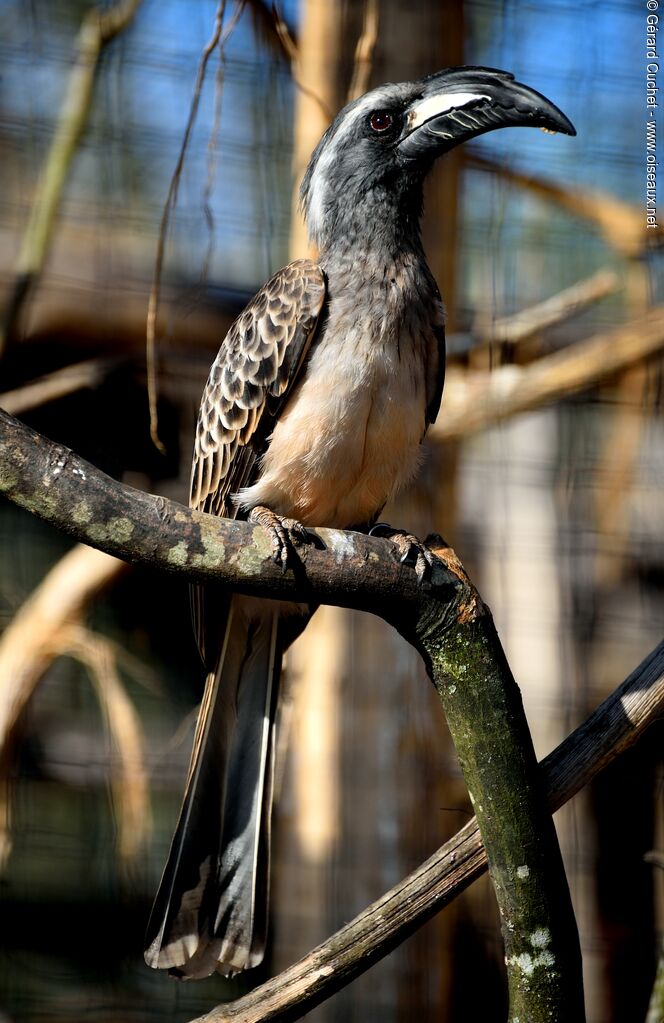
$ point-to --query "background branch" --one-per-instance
(364, 51)
(474, 402)
(521, 326)
(129, 780)
(35, 636)
(622, 225)
(98, 28)
(58, 384)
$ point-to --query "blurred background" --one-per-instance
(544, 471)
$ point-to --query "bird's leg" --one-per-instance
(413, 551)
(283, 532)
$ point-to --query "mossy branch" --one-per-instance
(444, 619)
(485, 715)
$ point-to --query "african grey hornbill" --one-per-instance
(313, 414)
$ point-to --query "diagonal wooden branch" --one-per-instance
(444, 619)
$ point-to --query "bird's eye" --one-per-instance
(380, 121)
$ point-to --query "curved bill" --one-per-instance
(461, 103)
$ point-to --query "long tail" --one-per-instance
(211, 908)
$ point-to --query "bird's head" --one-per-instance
(366, 172)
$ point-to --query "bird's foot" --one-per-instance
(284, 533)
(413, 551)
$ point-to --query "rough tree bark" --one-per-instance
(445, 620)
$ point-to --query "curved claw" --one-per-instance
(284, 533)
(412, 551)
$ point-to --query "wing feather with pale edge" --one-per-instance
(257, 364)
(248, 384)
